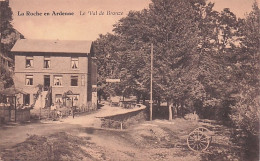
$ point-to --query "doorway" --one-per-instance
(26, 99)
(46, 82)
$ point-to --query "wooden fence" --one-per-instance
(60, 112)
(7, 114)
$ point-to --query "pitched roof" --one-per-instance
(53, 46)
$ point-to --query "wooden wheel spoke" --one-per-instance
(199, 146)
(205, 145)
(193, 147)
(191, 138)
(204, 142)
(191, 141)
(203, 139)
(200, 135)
(192, 144)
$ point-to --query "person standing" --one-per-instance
(73, 111)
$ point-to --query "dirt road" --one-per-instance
(82, 138)
(14, 134)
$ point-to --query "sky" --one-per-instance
(84, 24)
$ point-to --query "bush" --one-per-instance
(246, 116)
(191, 116)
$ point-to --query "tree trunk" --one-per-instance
(177, 109)
(143, 99)
(138, 97)
(170, 113)
(159, 102)
(182, 109)
(170, 104)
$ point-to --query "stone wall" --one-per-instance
(123, 121)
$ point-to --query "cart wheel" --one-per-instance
(198, 141)
(206, 131)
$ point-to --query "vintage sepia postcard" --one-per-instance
(121, 80)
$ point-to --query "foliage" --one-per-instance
(204, 60)
(172, 46)
(37, 95)
(8, 34)
(6, 80)
(246, 112)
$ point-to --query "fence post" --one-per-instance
(15, 109)
(40, 108)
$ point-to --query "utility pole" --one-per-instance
(151, 86)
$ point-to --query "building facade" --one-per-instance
(62, 69)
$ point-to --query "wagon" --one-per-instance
(199, 139)
(114, 101)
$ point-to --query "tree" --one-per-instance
(204, 60)
(172, 26)
(246, 113)
(6, 80)
(196, 54)
(104, 48)
(169, 25)
(8, 35)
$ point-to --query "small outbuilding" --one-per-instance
(12, 109)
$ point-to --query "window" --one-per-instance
(29, 62)
(47, 62)
(83, 80)
(74, 62)
(74, 81)
(58, 98)
(57, 81)
(29, 80)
